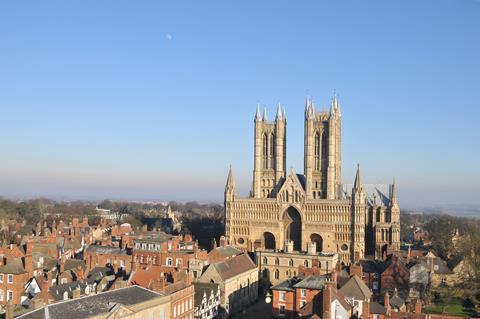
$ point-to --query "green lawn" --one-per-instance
(454, 308)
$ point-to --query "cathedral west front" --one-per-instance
(312, 209)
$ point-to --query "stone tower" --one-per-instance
(322, 151)
(270, 158)
(290, 211)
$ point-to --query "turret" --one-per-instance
(230, 190)
(358, 194)
(393, 194)
(258, 117)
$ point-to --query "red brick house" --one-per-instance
(13, 277)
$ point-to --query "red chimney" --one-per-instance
(327, 299)
(418, 306)
(223, 241)
(356, 269)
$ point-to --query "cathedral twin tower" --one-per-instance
(292, 209)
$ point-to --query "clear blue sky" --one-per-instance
(154, 100)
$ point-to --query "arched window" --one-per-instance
(324, 150)
(290, 263)
(277, 261)
(265, 151)
(277, 274)
(316, 154)
(305, 263)
(265, 260)
(271, 146)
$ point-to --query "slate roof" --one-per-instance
(204, 287)
(95, 305)
(313, 282)
(227, 251)
(57, 291)
(396, 302)
(287, 284)
(13, 266)
(356, 288)
(377, 309)
(72, 264)
(103, 250)
(234, 266)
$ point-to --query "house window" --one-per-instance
(290, 263)
(277, 274)
(9, 295)
(169, 261)
(1, 278)
(179, 262)
(282, 296)
(303, 293)
(277, 261)
(10, 278)
(305, 263)
(265, 260)
(64, 280)
(1, 295)
(281, 309)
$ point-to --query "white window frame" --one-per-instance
(282, 296)
(10, 278)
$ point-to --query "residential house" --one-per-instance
(238, 281)
(127, 303)
(207, 300)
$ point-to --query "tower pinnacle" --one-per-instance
(279, 116)
(265, 118)
(258, 117)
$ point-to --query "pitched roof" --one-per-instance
(356, 288)
(234, 266)
(13, 266)
(312, 282)
(226, 251)
(103, 250)
(287, 284)
(94, 305)
(377, 309)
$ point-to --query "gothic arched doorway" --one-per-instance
(293, 227)
(269, 240)
(317, 239)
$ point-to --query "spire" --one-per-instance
(333, 108)
(308, 107)
(257, 114)
(284, 115)
(312, 108)
(265, 118)
(336, 104)
(279, 116)
(393, 193)
(230, 187)
(230, 179)
(358, 179)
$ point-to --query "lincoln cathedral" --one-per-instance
(313, 209)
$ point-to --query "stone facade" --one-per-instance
(309, 207)
(278, 266)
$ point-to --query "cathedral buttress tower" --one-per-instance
(322, 158)
(270, 157)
